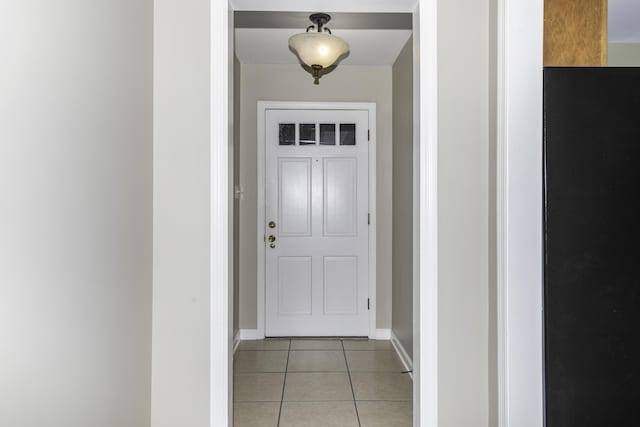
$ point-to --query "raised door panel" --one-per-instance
(294, 285)
(340, 196)
(340, 285)
(294, 207)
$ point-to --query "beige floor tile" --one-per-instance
(317, 387)
(269, 344)
(385, 414)
(381, 386)
(316, 361)
(318, 414)
(260, 361)
(355, 345)
(258, 387)
(256, 414)
(374, 361)
(317, 344)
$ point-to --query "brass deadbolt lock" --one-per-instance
(272, 224)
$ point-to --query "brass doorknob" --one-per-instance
(272, 238)
(272, 224)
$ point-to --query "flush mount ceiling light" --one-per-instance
(318, 50)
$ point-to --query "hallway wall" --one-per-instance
(292, 83)
(403, 235)
(75, 212)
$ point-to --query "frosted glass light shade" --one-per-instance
(318, 48)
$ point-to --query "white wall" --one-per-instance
(624, 54)
(181, 260)
(463, 179)
(292, 83)
(75, 213)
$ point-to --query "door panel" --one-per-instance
(294, 208)
(294, 285)
(316, 256)
(340, 196)
(340, 279)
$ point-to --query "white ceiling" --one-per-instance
(624, 21)
(368, 47)
(361, 6)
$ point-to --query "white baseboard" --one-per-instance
(252, 334)
(248, 334)
(383, 334)
(402, 353)
(236, 341)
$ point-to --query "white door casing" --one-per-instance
(316, 205)
(519, 214)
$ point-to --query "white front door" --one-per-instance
(316, 213)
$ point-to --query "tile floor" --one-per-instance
(320, 382)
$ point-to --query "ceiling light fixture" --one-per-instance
(318, 50)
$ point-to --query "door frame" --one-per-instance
(263, 106)
(425, 206)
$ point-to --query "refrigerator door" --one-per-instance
(592, 246)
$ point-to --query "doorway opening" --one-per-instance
(323, 220)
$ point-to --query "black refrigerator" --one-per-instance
(592, 247)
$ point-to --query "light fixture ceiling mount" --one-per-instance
(320, 19)
(318, 50)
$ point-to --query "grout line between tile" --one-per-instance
(284, 383)
(353, 393)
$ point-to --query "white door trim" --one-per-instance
(425, 187)
(221, 225)
(263, 106)
(519, 214)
